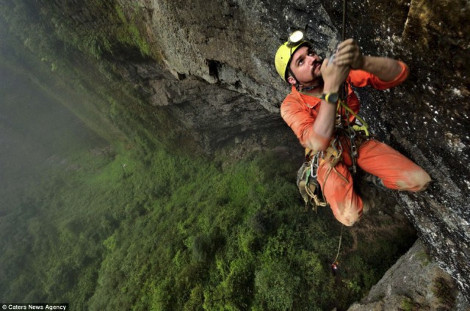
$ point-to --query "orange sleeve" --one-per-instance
(298, 119)
(362, 78)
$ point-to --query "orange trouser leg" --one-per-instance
(396, 171)
(337, 187)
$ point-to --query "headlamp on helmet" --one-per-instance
(294, 38)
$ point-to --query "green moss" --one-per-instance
(444, 292)
(104, 28)
(423, 257)
(408, 305)
(129, 33)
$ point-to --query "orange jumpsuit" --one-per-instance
(394, 169)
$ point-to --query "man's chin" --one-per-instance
(318, 83)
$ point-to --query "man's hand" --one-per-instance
(333, 76)
(349, 54)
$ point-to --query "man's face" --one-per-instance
(305, 65)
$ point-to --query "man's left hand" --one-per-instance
(349, 54)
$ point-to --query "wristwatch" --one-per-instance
(330, 97)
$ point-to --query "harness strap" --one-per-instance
(357, 127)
(351, 130)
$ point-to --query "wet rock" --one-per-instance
(415, 282)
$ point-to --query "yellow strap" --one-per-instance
(364, 127)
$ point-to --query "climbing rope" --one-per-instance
(335, 263)
(343, 33)
(343, 91)
(339, 245)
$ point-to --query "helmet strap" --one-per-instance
(297, 84)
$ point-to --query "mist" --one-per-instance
(37, 132)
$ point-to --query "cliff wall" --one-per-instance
(225, 89)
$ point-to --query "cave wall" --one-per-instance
(427, 288)
(220, 54)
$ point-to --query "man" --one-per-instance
(311, 111)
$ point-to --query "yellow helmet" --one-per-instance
(285, 52)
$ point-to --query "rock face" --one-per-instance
(211, 69)
(225, 89)
(428, 287)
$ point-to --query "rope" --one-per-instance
(343, 91)
(343, 96)
(339, 245)
(343, 36)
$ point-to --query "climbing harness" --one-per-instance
(308, 185)
(356, 132)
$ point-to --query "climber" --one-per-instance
(323, 122)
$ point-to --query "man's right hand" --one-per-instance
(333, 76)
(348, 53)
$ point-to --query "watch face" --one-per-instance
(332, 97)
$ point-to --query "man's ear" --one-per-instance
(291, 80)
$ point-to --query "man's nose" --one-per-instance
(312, 58)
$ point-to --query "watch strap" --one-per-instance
(330, 97)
